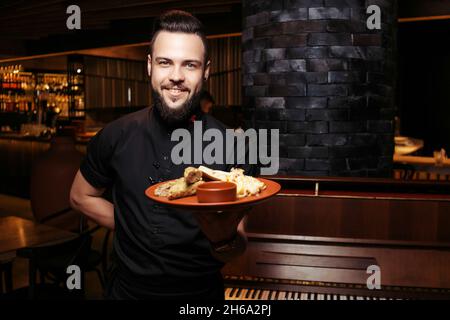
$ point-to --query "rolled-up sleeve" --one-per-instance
(96, 166)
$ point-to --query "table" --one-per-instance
(17, 233)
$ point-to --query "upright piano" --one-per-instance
(334, 238)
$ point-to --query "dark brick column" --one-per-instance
(312, 69)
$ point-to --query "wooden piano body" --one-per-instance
(318, 236)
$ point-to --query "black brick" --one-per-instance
(268, 30)
(247, 34)
(365, 53)
(328, 13)
(362, 139)
(287, 91)
(298, 65)
(290, 4)
(326, 114)
(306, 102)
(274, 54)
(281, 125)
(326, 139)
(307, 127)
(380, 126)
(290, 165)
(346, 102)
(325, 90)
(247, 80)
(345, 76)
(348, 151)
(294, 27)
(347, 26)
(329, 39)
(366, 39)
(257, 19)
(270, 102)
(292, 139)
(326, 65)
(347, 126)
(345, 3)
(278, 66)
(307, 52)
(254, 67)
(290, 114)
(308, 152)
(290, 15)
(317, 164)
(260, 43)
(288, 41)
(260, 79)
(339, 164)
(256, 91)
(253, 7)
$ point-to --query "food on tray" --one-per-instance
(193, 177)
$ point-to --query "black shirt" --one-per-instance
(151, 242)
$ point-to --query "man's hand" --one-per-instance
(222, 225)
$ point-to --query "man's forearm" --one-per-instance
(97, 209)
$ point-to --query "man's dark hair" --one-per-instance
(179, 21)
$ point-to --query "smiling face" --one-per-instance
(177, 69)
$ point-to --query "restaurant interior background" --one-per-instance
(53, 77)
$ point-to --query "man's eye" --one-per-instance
(163, 62)
(191, 65)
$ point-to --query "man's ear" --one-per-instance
(206, 72)
(149, 65)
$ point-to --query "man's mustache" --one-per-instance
(176, 87)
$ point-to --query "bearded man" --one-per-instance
(160, 253)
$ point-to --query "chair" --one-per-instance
(51, 179)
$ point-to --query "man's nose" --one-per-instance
(177, 74)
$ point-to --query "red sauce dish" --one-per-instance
(216, 191)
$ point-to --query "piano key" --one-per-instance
(303, 296)
(359, 298)
(265, 295)
(227, 293)
(237, 293)
(335, 297)
(257, 294)
(296, 296)
(328, 297)
(312, 296)
(242, 294)
(290, 295)
(273, 295)
(282, 295)
(341, 297)
(320, 296)
(232, 293)
(351, 298)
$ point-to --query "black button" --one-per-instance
(156, 165)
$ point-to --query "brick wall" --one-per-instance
(312, 69)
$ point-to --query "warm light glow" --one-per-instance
(78, 70)
(413, 19)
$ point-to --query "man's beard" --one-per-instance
(176, 116)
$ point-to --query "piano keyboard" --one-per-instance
(236, 293)
(259, 288)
